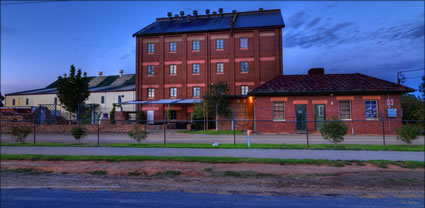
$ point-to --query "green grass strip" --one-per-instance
(413, 148)
(335, 163)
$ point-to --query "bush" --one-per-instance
(78, 133)
(137, 134)
(198, 117)
(334, 131)
(407, 133)
(140, 117)
(19, 134)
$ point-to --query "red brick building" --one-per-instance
(179, 56)
(295, 103)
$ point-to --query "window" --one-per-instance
(173, 115)
(27, 101)
(151, 70)
(195, 69)
(344, 108)
(173, 69)
(173, 92)
(244, 43)
(195, 45)
(151, 92)
(244, 66)
(220, 68)
(119, 99)
(219, 44)
(105, 115)
(151, 48)
(173, 46)
(13, 102)
(244, 90)
(371, 109)
(196, 91)
(102, 99)
(278, 111)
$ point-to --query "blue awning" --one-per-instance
(163, 101)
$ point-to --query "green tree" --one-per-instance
(1, 100)
(407, 133)
(422, 88)
(78, 133)
(137, 134)
(413, 107)
(73, 89)
(216, 98)
(334, 131)
(198, 117)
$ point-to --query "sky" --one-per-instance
(39, 41)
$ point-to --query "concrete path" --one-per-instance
(250, 153)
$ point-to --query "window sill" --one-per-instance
(151, 75)
(243, 49)
(196, 97)
(151, 98)
(279, 120)
(196, 74)
(151, 53)
(244, 72)
(220, 73)
(347, 119)
(173, 75)
(219, 49)
(372, 119)
(171, 51)
(197, 51)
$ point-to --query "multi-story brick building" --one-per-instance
(179, 56)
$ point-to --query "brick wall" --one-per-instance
(358, 123)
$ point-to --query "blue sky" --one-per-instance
(40, 41)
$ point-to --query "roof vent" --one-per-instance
(316, 72)
(169, 16)
(220, 10)
(176, 15)
(182, 13)
(207, 11)
(214, 12)
(195, 13)
(234, 11)
(100, 74)
(260, 9)
(121, 72)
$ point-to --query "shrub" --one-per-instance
(78, 133)
(198, 117)
(137, 134)
(140, 117)
(112, 114)
(334, 131)
(407, 133)
(19, 134)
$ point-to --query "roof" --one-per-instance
(215, 22)
(96, 84)
(327, 83)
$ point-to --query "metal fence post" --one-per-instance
(34, 132)
(165, 136)
(98, 134)
(383, 127)
(308, 142)
(234, 132)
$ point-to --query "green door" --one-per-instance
(301, 115)
(319, 116)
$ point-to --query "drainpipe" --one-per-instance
(216, 117)
(255, 116)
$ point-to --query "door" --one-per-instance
(150, 117)
(319, 116)
(301, 115)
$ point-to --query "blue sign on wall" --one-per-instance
(392, 112)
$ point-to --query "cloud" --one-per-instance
(124, 56)
(297, 19)
(314, 22)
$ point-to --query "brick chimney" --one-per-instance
(316, 72)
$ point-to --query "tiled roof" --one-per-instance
(96, 84)
(327, 83)
(226, 21)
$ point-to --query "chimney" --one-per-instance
(234, 11)
(316, 72)
(169, 16)
(260, 9)
(207, 11)
(195, 13)
(214, 12)
(220, 10)
(100, 74)
(121, 72)
(182, 13)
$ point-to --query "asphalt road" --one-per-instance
(250, 153)
(45, 198)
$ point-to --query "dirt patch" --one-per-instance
(247, 178)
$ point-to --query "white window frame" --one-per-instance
(151, 70)
(196, 91)
(377, 110)
(243, 43)
(173, 46)
(219, 67)
(151, 92)
(151, 47)
(196, 45)
(173, 69)
(244, 90)
(196, 68)
(243, 64)
(274, 110)
(173, 91)
(219, 44)
(339, 110)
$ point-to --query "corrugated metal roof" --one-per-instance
(102, 84)
(266, 18)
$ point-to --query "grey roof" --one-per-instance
(227, 21)
(96, 84)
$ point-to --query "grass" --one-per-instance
(413, 148)
(403, 164)
(212, 132)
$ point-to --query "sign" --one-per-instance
(390, 102)
(392, 112)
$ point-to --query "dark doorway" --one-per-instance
(319, 116)
(301, 116)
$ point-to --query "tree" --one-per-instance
(1, 100)
(334, 131)
(422, 88)
(73, 89)
(198, 117)
(78, 133)
(137, 134)
(413, 107)
(216, 101)
(19, 134)
(407, 133)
